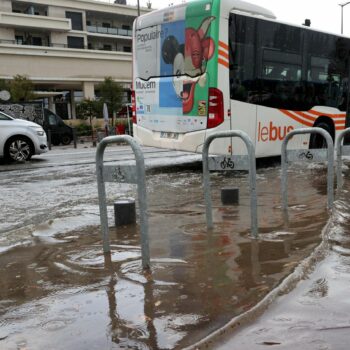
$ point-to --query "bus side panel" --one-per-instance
(272, 126)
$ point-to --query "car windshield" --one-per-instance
(4, 116)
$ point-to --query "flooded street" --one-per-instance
(59, 291)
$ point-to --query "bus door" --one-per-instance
(281, 93)
(244, 92)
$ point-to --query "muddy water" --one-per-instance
(58, 291)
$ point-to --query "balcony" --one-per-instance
(44, 44)
(109, 31)
(20, 20)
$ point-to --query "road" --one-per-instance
(85, 154)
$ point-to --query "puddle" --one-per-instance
(60, 291)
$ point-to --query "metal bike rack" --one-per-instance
(310, 155)
(341, 151)
(240, 166)
(123, 174)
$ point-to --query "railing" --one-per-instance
(13, 42)
(111, 31)
(244, 162)
(311, 155)
(110, 174)
(342, 150)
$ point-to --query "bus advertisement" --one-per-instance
(207, 66)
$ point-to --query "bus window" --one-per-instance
(327, 70)
(281, 80)
(324, 84)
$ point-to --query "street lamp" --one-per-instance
(342, 5)
(138, 8)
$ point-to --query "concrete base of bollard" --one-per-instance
(229, 195)
(124, 212)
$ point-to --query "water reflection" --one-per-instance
(200, 279)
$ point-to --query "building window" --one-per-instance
(126, 27)
(106, 25)
(76, 18)
(127, 49)
(37, 41)
(107, 47)
(19, 39)
(75, 42)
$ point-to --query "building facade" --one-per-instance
(66, 47)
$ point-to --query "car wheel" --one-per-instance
(66, 139)
(317, 140)
(19, 149)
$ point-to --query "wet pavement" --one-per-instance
(59, 291)
(315, 315)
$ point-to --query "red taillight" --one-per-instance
(133, 107)
(216, 108)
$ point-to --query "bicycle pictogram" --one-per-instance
(227, 163)
(306, 155)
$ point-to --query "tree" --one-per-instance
(111, 93)
(21, 89)
(88, 109)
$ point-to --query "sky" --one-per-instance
(324, 14)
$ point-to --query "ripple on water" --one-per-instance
(278, 236)
(93, 257)
(132, 270)
(55, 325)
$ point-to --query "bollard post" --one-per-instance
(229, 195)
(124, 212)
(75, 138)
(49, 138)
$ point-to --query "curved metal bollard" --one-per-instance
(141, 190)
(340, 152)
(308, 155)
(252, 176)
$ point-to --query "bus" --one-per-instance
(214, 65)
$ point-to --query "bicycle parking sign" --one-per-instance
(228, 163)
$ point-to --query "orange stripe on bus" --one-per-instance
(223, 53)
(304, 115)
(223, 62)
(326, 114)
(294, 117)
(223, 45)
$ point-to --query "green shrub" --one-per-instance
(83, 130)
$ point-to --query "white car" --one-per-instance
(20, 139)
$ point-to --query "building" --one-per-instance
(66, 47)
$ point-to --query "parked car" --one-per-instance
(32, 111)
(60, 132)
(20, 139)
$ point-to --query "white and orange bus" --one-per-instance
(213, 65)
